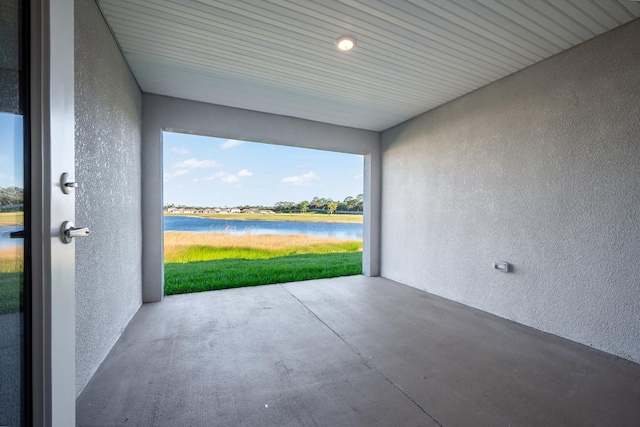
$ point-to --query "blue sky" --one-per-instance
(11, 150)
(206, 171)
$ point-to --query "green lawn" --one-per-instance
(197, 262)
(233, 273)
(10, 295)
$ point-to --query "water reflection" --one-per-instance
(12, 331)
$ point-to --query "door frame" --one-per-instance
(162, 113)
(52, 268)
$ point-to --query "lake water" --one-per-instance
(232, 226)
(204, 225)
(5, 240)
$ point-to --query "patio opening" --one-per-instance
(240, 213)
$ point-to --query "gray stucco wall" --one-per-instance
(10, 56)
(108, 167)
(540, 169)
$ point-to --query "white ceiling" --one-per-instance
(278, 56)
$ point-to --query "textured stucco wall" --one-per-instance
(108, 137)
(10, 11)
(541, 169)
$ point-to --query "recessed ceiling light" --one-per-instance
(345, 43)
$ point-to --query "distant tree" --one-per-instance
(314, 203)
(11, 196)
(319, 203)
(331, 207)
(349, 203)
(303, 206)
(284, 206)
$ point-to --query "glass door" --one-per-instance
(12, 213)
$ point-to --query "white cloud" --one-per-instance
(231, 143)
(358, 177)
(302, 180)
(195, 164)
(167, 176)
(179, 150)
(214, 176)
(230, 179)
(196, 180)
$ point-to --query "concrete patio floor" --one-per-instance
(354, 351)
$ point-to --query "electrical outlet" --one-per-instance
(502, 266)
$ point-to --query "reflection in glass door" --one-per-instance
(12, 230)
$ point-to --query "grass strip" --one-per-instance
(11, 218)
(208, 253)
(190, 247)
(202, 276)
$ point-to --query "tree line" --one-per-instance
(11, 198)
(349, 204)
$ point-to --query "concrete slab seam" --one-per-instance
(357, 352)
